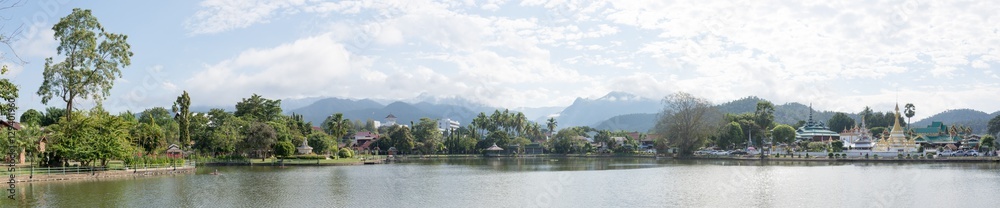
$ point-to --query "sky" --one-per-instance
(835, 55)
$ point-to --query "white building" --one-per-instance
(446, 124)
(390, 120)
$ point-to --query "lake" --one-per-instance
(543, 182)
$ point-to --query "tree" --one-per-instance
(551, 124)
(260, 137)
(837, 146)
(868, 115)
(95, 136)
(335, 125)
(988, 142)
(183, 116)
(763, 119)
(284, 149)
(93, 59)
(783, 133)
(909, 110)
(149, 137)
(31, 118)
(993, 126)
(320, 142)
(258, 108)
(687, 121)
(840, 121)
(52, 115)
(8, 92)
(877, 131)
(729, 135)
(427, 133)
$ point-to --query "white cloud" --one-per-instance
(224, 15)
(787, 51)
(37, 42)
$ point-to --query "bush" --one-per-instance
(900, 156)
(831, 155)
(345, 153)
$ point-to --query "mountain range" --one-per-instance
(614, 111)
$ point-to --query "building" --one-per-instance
(815, 131)
(446, 124)
(390, 120)
(857, 138)
(897, 141)
(362, 137)
(937, 135)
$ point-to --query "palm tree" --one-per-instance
(552, 125)
(336, 126)
(909, 111)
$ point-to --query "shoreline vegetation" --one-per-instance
(85, 174)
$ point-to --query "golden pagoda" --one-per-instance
(897, 141)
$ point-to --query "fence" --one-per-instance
(80, 170)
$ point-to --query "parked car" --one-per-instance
(738, 152)
(946, 153)
(972, 153)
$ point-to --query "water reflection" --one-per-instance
(543, 182)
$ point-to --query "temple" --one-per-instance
(815, 131)
(896, 141)
(857, 138)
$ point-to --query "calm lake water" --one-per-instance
(539, 182)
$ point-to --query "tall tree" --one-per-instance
(763, 118)
(259, 138)
(868, 115)
(909, 110)
(730, 135)
(687, 121)
(258, 108)
(552, 124)
(993, 126)
(182, 114)
(335, 125)
(93, 59)
(840, 121)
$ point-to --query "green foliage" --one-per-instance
(909, 110)
(993, 126)
(816, 146)
(730, 135)
(839, 122)
(8, 93)
(837, 146)
(345, 153)
(320, 142)
(687, 121)
(259, 137)
(92, 60)
(877, 131)
(830, 155)
(336, 126)
(764, 117)
(149, 136)
(565, 142)
(31, 118)
(426, 133)
(783, 134)
(284, 149)
(182, 111)
(988, 141)
(95, 135)
(52, 115)
(920, 149)
(259, 109)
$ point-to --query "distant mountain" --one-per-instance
(290, 104)
(587, 112)
(788, 113)
(639, 122)
(319, 110)
(977, 120)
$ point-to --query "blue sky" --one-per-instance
(836, 55)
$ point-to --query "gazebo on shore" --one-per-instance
(493, 151)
